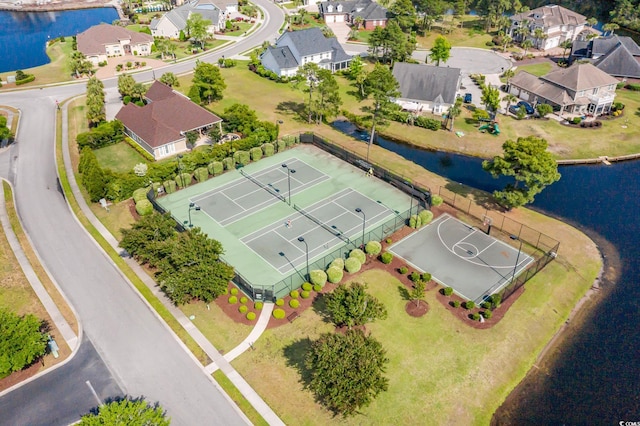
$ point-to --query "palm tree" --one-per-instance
(539, 35)
(610, 28)
(592, 22)
(506, 41)
(508, 74)
(523, 31)
(358, 21)
(454, 112)
(509, 99)
(566, 45)
(526, 45)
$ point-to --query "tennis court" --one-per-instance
(324, 226)
(465, 258)
(258, 191)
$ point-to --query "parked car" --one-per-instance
(527, 107)
(468, 98)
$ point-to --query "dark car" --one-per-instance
(468, 98)
(527, 107)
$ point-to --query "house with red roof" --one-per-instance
(103, 41)
(160, 126)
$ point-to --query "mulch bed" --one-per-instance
(20, 376)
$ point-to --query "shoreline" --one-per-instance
(61, 6)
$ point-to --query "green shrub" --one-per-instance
(415, 276)
(414, 221)
(403, 270)
(140, 194)
(170, 186)
(436, 200)
(229, 163)
(256, 153)
(389, 240)
(282, 145)
(335, 274)
(278, 313)
(338, 262)
(258, 305)
(386, 257)
(426, 216)
(305, 294)
(318, 277)
(242, 157)
(373, 248)
(294, 303)
(447, 291)
(243, 300)
(487, 314)
(234, 291)
(428, 123)
(279, 302)
(146, 154)
(307, 287)
(631, 86)
(426, 277)
(242, 309)
(294, 294)
(201, 174)
(358, 254)
(485, 305)
(352, 265)
(456, 303)
(251, 316)
(215, 168)
(233, 300)
(576, 120)
(475, 316)
(317, 288)
(144, 207)
(183, 180)
(268, 149)
(469, 304)
(495, 299)
(28, 79)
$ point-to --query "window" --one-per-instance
(595, 91)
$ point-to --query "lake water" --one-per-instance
(596, 376)
(23, 35)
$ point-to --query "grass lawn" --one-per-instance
(55, 71)
(119, 157)
(243, 27)
(539, 69)
(471, 34)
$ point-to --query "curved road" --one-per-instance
(142, 355)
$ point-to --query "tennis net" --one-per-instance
(262, 185)
(333, 231)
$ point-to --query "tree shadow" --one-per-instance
(294, 354)
(482, 198)
(404, 293)
(319, 306)
(292, 108)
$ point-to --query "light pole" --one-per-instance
(514, 237)
(301, 239)
(364, 221)
(180, 168)
(289, 172)
(410, 198)
(192, 206)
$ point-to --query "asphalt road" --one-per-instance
(141, 355)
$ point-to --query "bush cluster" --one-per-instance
(318, 277)
(258, 305)
(243, 309)
(294, 294)
(447, 291)
(251, 316)
(487, 314)
(352, 265)
(234, 291)
(436, 200)
(359, 255)
(426, 277)
(278, 313)
(415, 276)
(386, 257)
(334, 274)
(373, 248)
(469, 304)
(243, 300)
(307, 286)
(475, 316)
(305, 294)
(403, 270)
(233, 300)
(338, 262)
(280, 302)
(294, 303)
(456, 303)
(317, 288)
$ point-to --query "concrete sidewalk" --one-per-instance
(218, 360)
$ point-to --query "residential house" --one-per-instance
(172, 23)
(104, 41)
(617, 56)
(367, 13)
(557, 23)
(160, 126)
(580, 89)
(296, 48)
(426, 87)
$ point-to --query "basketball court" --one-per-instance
(460, 256)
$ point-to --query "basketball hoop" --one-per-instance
(486, 221)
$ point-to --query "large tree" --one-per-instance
(453, 113)
(197, 28)
(170, 79)
(441, 50)
(21, 341)
(240, 118)
(309, 74)
(351, 306)
(358, 74)
(145, 239)
(95, 102)
(126, 85)
(347, 370)
(208, 83)
(328, 101)
(80, 65)
(382, 86)
(532, 166)
(403, 12)
(490, 98)
(127, 412)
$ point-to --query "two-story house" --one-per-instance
(426, 87)
(579, 89)
(556, 22)
(171, 23)
(104, 41)
(295, 48)
(367, 13)
(617, 56)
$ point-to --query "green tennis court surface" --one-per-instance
(462, 257)
(249, 213)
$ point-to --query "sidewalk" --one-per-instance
(219, 362)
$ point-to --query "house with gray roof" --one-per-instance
(580, 89)
(426, 87)
(368, 12)
(160, 126)
(557, 23)
(296, 48)
(174, 21)
(617, 56)
(103, 41)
